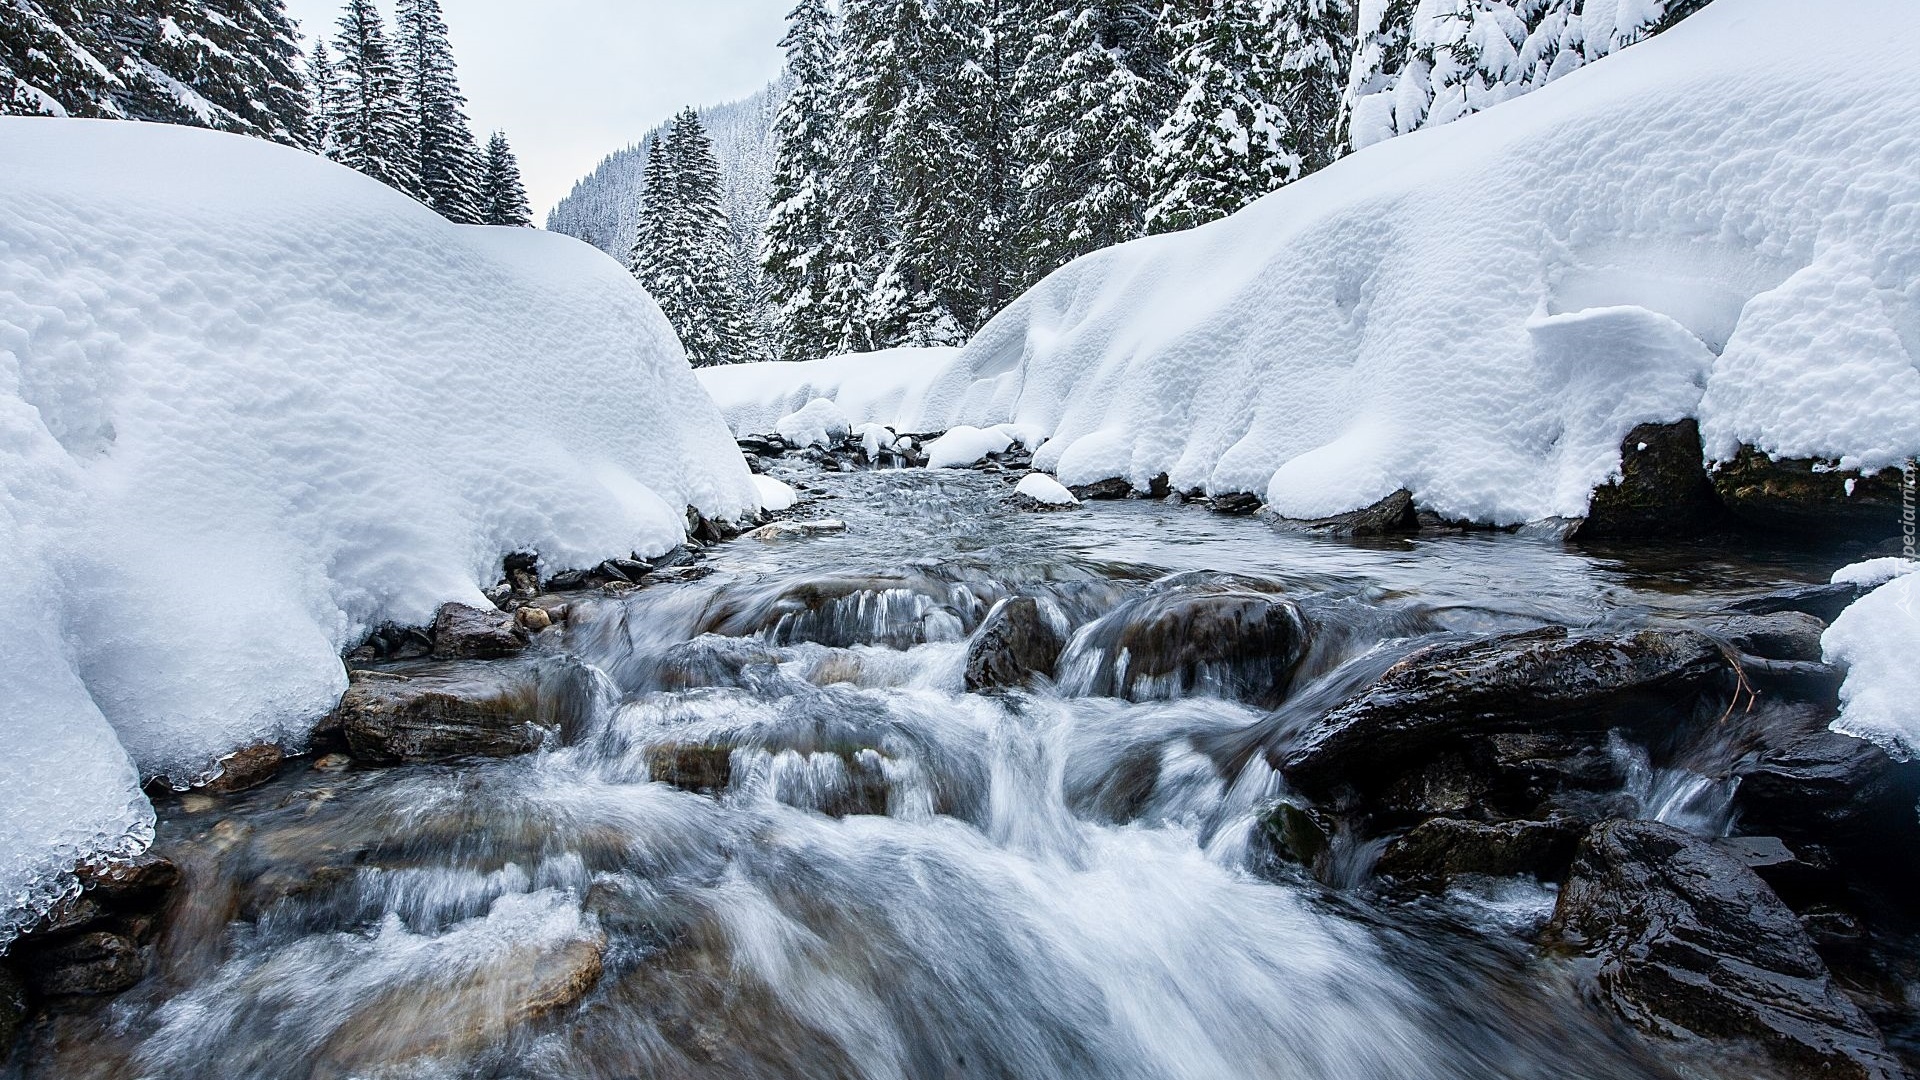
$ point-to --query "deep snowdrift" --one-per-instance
(868, 388)
(1723, 222)
(1875, 639)
(251, 404)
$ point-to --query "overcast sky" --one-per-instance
(571, 80)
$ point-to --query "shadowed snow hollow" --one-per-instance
(1722, 223)
(251, 404)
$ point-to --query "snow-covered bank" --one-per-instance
(253, 403)
(884, 387)
(1718, 223)
(1875, 639)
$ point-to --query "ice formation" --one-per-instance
(252, 404)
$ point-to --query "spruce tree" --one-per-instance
(371, 128)
(240, 56)
(1228, 141)
(323, 99)
(1316, 42)
(683, 252)
(56, 62)
(502, 197)
(443, 146)
(796, 249)
(1089, 137)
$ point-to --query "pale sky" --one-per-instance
(570, 81)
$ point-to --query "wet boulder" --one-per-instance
(1691, 942)
(465, 633)
(1446, 695)
(1808, 496)
(1783, 635)
(1238, 503)
(1391, 516)
(438, 711)
(90, 964)
(1221, 638)
(1823, 788)
(1823, 602)
(246, 768)
(1017, 644)
(1663, 488)
(1113, 487)
(842, 610)
(1440, 849)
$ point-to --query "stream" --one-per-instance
(864, 871)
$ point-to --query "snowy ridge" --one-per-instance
(253, 404)
(1480, 312)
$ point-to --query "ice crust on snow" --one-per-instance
(867, 388)
(1722, 222)
(818, 423)
(253, 404)
(1876, 638)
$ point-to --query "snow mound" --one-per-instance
(1875, 571)
(1045, 490)
(1480, 312)
(964, 445)
(1876, 639)
(818, 424)
(879, 388)
(774, 494)
(253, 404)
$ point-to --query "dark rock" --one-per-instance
(1391, 516)
(1823, 602)
(769, 446)
(13, 1009)
(1297, 834)
(1220, 637)
(628, 570)
(680, 555)
(248, 768)
(461, 632)
(89, 964)
(1110, 488)
(1234, 502)
(441, 711)
(1821, 787)
(1534, 681)
(521, 561)
(1803, 495)
(707, 769)
(567, 581)
(1663, 488)
(1441, 848)
(1783, 635)
(712, 660)
(140, 883)
(1800, 679)
(704, 769)
(1692, 942)
(1016, 644)
(1796, 878)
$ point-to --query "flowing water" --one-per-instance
(887, 877)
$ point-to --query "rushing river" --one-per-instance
(895, 879)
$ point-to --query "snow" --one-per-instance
(883, 387)
(774, 495)
(1876, 639)
(818, 423)
(965, 446)
(1480, 312)
(1045, 490)
(1875, 571)
(253, 404)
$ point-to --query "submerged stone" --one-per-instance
(1016, 645)
(438, 711)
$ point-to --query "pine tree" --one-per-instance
(1316, 43)
(323, 99)
(796, 249)
(1089, 137)
(1228, 140)
(502, 197)
(55, 62)
(372, 129)
(683, 252)
(241, 57)
(443, 145)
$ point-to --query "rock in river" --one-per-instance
(432, 712)
(1016, 644)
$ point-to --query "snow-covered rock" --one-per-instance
(1718, 223)
(879, 388)
(1877, 639)
(1875, 571)
(965, 445)
(775, 495)
(818, 423)
(253, 404)
(1045, 490)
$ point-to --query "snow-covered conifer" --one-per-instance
(796, 246)
(502, 198)
(323, 99)
(443, 145)
(372, 127)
